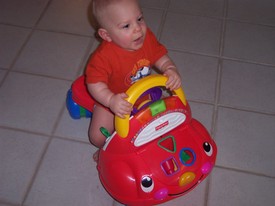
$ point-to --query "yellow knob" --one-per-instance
(186, 178)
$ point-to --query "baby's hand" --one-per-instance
(174, 80)
(119, 105)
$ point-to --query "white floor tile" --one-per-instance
(154, 3)
(11, 40)
(212, 8)
(2, 74)
(22, 13)
(203, 113)
(195, 197)
(153, 19)
(246, 141)
(73, 129)
(68, 16)
(68, 177)
(261, 12)
(192, 33)
(229, 188)
(250, 42)
(248, 86)
(19, 156)
(198, 75)
(31, 103)
(53, 54)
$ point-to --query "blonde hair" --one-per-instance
(99, 7)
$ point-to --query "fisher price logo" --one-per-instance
(162, 125)
(141, 69)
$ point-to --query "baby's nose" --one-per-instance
(137, 27)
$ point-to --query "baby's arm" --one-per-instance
(169, 69)
(116, 102)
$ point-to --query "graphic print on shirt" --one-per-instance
(141, 69)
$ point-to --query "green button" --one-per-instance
(105, 132)
(157, 107)
(185, 157)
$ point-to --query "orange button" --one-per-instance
(186, 178)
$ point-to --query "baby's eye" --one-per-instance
(140, 19)
(126, 26)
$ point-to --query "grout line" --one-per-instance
(245, 171)
(4, 77)
(201, 102)
(195, 15)
(36, 170)
(41, 75)
(163, 17)
(64, 32)
(219, 71)
(248, 61)
(47, 30)
(251, 23)
(58, 119)
(9, 203)
(163, 20)
(50, 138)
(24, 131)
(218, 89)
(69, 139)
(9, 69)
(44, 151)
(155, 8)
(32, 29)
(238, 108)
(247, 110)
(42, 13)
(215, 17)
(207, 189)
(222, 57)
(216, 100)
(162, 23)
(84, 61)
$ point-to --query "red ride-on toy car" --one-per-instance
(157, 154)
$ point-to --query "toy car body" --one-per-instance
(165, 154)
(158, 154)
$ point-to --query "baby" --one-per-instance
(128, 52)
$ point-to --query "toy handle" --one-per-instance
(122, 125)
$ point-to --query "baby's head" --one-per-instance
(101, 8)
(120, 21)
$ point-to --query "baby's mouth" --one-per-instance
(139, 40)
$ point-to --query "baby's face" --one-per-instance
(125, 24)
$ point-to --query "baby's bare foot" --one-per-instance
(96, 156)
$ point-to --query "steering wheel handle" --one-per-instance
(137, 89)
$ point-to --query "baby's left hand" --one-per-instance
(174, 79)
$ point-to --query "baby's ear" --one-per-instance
(104, 34)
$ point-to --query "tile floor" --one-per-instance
(225, 51)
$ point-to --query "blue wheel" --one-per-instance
(75, 110)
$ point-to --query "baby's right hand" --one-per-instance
(119, 105)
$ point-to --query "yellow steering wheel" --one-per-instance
(137, 89)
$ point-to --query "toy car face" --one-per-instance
(165, 155)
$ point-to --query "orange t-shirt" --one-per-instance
(119, 68)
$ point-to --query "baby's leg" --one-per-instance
(101, 118)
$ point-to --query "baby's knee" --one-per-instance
(96, 139)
